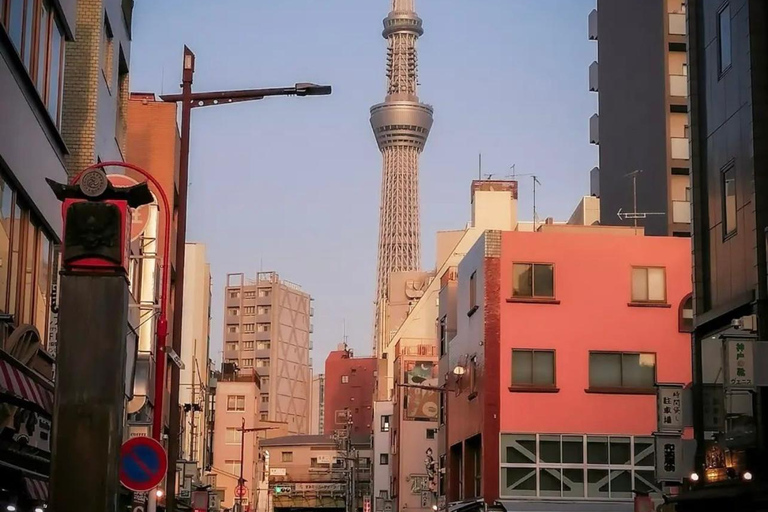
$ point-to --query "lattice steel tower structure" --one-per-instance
(401, 125)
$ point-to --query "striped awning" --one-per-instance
(19, 381)
(37, 489)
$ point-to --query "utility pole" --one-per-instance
(190, 100)
(241, 481)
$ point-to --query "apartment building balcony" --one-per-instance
(262, 354)
(680, 149)
(593, 69)
(593, 25)
(594, 129)
(678, 86)
(677, 24)
(262, 335)
(264, 301)
(681, 212)
(677, 30)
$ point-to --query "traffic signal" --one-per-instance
(670, 464)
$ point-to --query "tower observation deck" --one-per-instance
(401, 125)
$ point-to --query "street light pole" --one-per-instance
(190, 100)
(241, 480)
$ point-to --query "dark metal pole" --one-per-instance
(241, 480)
(178, 303)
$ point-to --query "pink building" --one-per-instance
(237, 398)
(551, 345)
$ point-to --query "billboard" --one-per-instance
(421, 404)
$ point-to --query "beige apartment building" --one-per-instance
(267, 325)
(193, 383)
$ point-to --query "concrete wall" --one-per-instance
(633, 109)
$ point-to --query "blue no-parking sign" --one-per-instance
(143, 464)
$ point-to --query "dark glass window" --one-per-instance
(533, 280)
(622, 370)
(533, 367)
(724, 37)
(729, 201)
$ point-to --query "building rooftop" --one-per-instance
(312, 440)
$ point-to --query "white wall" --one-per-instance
(381, 444)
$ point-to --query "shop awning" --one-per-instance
(466, 506)
(37, 489)
(567, 506)
(22, 383)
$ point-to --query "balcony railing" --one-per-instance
(678, 85)
(593, 25)
(677, 24)
(681, 212)
(680, 148)
(593, 77)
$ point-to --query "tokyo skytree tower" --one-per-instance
(401, 125)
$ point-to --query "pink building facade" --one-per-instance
(349, 389)
(553, 342)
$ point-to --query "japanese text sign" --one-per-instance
(741, 370)
(669, 408)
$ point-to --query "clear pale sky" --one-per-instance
(292, 184)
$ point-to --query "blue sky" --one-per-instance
(292, 184)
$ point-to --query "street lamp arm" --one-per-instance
(204, 99)
(258, 429)
(441, 389)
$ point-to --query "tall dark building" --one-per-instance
(642, 120)
(728, 56)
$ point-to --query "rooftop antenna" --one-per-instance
(488, 176)
(535, 181)
(634, 194)
(479, 166)
(513, 171)
(344, 332)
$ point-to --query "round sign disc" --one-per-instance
(93, 183)
(143, 464)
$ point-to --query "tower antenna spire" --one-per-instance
(401, 125)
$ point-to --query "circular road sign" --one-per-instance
(140, 215)
(241, 491)
(143, 464)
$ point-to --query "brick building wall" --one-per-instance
(96, 81)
